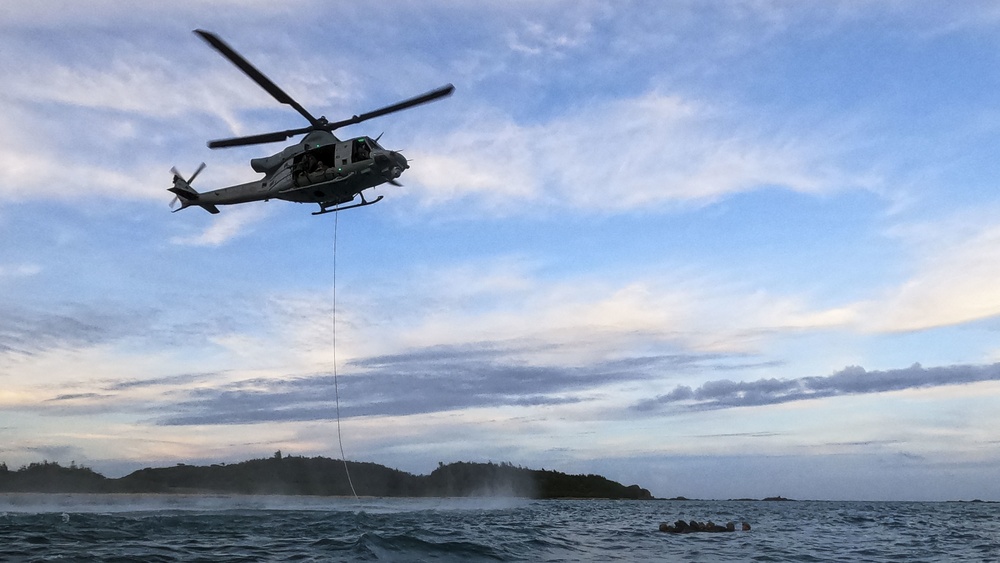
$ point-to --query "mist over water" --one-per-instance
(242, 528)
(40, 503)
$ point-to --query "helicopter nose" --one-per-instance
(396, 165)
(399, 159)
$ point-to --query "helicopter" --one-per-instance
(319, 169)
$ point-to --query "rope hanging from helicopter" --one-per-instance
(336, 383)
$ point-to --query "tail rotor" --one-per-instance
(180, 184)
(186, 195)
(193, 176)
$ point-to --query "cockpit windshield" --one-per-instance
(362, 148)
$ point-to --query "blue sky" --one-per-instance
(732, 249)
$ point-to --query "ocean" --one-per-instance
(150, 528)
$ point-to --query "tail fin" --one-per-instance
(187, 195)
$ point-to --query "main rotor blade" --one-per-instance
(257, 139)
(441, 92)
(196, 172)
(254, 74)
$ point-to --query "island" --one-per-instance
(296, 475)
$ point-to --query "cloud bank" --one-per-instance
(852, 380)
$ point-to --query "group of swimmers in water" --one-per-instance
(682, 527)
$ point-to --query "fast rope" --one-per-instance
(336, 385)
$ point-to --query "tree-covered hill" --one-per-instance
(291, 475)
(46, 477)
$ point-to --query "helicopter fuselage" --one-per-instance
(321, 169)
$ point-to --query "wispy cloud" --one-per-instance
(25, 332)
(954, 278)
(102, 13)
(235, 222)
(659, 149)
(854, 380)
(19, 270)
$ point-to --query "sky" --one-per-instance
(717, 249)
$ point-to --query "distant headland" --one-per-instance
(294, 475)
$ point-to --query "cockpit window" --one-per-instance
(361, 150)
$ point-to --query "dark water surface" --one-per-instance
(243, 528)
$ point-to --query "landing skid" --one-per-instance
(328, 209)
